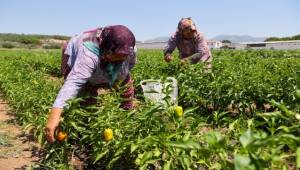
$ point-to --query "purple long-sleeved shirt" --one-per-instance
(189, 47)
(85, 67)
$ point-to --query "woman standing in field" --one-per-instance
(191, 44)
(93, 59)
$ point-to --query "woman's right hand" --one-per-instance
(168, 57)
(52, 124)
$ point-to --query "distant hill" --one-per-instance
(295, 37)
(11, 40)
(20, 37)
(239, 38)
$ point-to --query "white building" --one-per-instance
(215, 44)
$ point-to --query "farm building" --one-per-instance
(215, 44)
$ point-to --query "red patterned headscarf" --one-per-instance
(117, 39)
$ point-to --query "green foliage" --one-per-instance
(52, 46)
(20, 37)
(28, 40)
(226, 122)
(31, 41)
(226, 41)
(8, 45)
(295, 37)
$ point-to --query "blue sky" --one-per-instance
(152, 18)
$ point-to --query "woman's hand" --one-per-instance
(168, 57)
(52, 124)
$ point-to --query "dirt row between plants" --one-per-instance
(17, 148)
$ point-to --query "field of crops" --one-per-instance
(244, 114)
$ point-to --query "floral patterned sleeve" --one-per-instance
(171, 45)
(202, 50)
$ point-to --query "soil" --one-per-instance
(17, 148)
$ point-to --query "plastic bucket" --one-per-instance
(155, 90)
